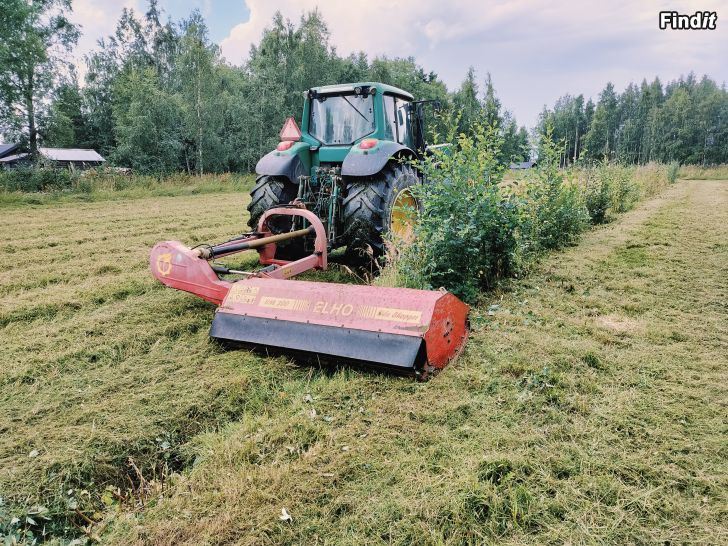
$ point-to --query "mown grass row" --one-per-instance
(98, 368)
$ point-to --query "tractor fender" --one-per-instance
(281, 164)
(369, 162)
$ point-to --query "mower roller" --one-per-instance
(399, 329)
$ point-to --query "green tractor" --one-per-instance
(350, 163)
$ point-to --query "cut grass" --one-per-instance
(92, 186)
(99, 363)
(588, 407)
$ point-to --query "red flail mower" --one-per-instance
(399, 329)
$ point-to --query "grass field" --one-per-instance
(589, 406)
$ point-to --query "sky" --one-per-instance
(535, 50)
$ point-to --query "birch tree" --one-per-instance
(36, 39)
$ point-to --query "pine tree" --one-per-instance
(467, 103)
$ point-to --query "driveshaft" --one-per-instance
(225, 249)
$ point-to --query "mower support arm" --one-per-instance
(178, 266)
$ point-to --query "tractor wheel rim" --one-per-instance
(404, 215)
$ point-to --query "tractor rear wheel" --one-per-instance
(379, 205)
(270, 192)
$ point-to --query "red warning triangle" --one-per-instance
(290, 130)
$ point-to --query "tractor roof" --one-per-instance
(381, 88)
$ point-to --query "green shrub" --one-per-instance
(469, 233)
(556, 206)
(672, 171)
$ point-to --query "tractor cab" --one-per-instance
(342, 115)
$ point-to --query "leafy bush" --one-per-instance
(556, 206)
(672, 171)
(469, 233)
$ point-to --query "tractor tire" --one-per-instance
(368, 207)
(270, 192)
(267, 193)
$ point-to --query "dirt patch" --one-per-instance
(620, 325)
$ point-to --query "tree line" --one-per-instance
(158, 97)
(684, 121)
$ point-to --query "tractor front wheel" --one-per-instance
(379, 205)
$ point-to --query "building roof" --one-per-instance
(6, 149)
(71, 154)
(523, 165)
(11, 158)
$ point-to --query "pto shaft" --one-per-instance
(209, 253)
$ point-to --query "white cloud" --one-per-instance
(98, 19)
(536, 49)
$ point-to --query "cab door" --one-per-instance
(403, 120)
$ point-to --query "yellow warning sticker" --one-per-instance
(283, 303)
(390, 313)
(240, 293)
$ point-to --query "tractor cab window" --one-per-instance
(404, 129)
(341, 119)
(390, 123)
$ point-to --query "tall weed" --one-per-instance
(625, 191)
(556, 207)
(36, 179)
(697, 172)
(597, 192)
(39, 185)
